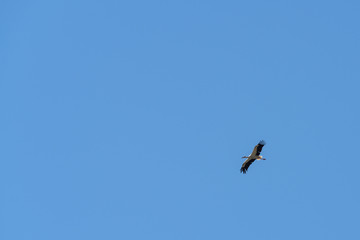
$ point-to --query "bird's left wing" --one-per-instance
(246, 165)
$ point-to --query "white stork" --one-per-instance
(255, 155)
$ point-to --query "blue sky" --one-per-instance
(128, 119)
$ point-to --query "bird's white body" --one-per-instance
(256, 157)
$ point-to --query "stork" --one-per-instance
(255, 155)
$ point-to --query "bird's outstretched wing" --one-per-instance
(258, 148)
(246, 165)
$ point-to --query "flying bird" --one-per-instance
(255, 155)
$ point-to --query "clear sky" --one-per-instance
(128, 119)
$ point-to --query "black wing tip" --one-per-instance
(262, 142)
(243, 170)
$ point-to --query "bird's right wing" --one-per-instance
(258, 148)
(246, 165)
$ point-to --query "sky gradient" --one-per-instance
(128, 119)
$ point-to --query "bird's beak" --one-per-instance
(264, 159)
